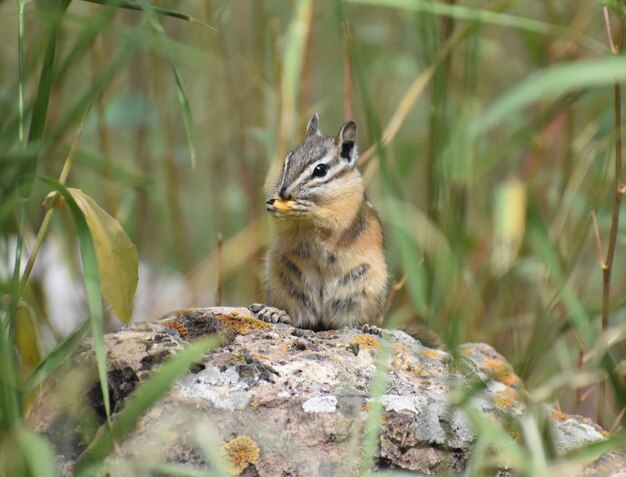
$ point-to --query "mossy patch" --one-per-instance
(239, 453)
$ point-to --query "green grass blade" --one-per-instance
(91, 28)
(180, 90)
(461, 12)
(144, 397)
(546, 250)
(290, 82)
(186, 112)
(550, 83)
(159, 10)
(509, 451)
(360, 73)
(178, 470)
(40, 108)
(10, 399)
(77, 110)
(38, 454)
(20, 70)
(55, 358)
(372, 424)
(295, 43)
(91, 278)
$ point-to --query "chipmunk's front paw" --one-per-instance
(269, 314)
(372, 329)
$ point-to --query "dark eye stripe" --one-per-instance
(341, 172)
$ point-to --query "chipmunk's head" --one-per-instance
(320, 171)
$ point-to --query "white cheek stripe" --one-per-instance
(282, 179)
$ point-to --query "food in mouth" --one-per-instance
(282, 204)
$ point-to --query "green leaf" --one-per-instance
(117, 256)
(55, 358)
(38, 454)
(145, 396)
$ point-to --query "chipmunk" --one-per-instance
(326, 267)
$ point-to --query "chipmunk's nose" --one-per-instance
(283, 193)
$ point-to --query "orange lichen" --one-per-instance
(178, 326)
(401, 359)
(239, 453)
(510, 379)
(559, 416)
(502, 371)
(242, 324)
(366, 342)
(431, 353)
(502, 401)
(466, 351)
(510, 393)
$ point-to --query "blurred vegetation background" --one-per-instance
(487, 136)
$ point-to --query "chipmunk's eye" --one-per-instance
(320, 170)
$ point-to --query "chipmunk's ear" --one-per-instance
(346, 140)
(313, 126)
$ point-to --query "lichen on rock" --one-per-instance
(286, 401)
(239, 453)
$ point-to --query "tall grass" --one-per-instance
(487, 133)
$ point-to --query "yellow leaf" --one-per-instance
(116, 254)
(509, 224)
(27, 338)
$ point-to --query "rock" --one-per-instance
(285, 401)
